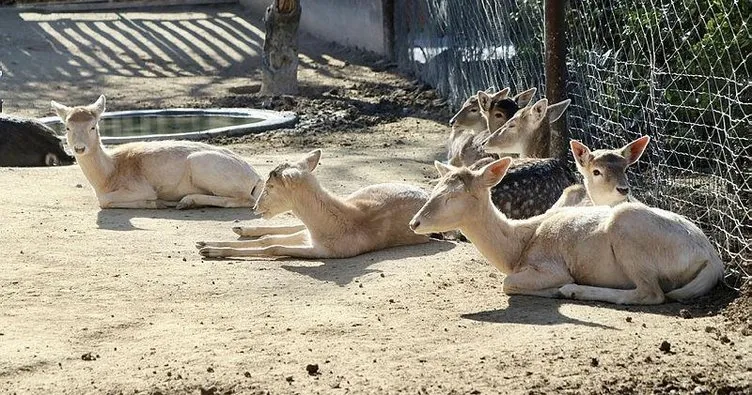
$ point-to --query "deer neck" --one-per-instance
(537, 146)
(500, 240)
(97, 166)
(320, 209)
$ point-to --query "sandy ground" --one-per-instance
(118, 301)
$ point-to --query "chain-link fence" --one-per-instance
(678, 71)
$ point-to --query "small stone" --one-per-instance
(89, 357)
(629, 319)
(210, 369)
(665, 347)
(289, 379)
(312, 369)
(594, 362)
(247, 374)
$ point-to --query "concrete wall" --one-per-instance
(353, 23)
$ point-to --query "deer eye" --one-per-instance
(596, 172)
(498, 115)
(473, 110)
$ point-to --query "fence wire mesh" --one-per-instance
(678, 71)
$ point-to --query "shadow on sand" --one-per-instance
(343, 271)
(544, 311)
(530, 310)
(120, 219)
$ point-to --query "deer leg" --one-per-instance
(132, 199)
(535, 281)
(197, 200)
(639, 295)
(302, 251)
(299, 238)
(256, 231)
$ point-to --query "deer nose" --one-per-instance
(414, 224)
(622, 190)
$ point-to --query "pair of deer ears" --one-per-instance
(522, 99)
(62, 111)
(541, 109)
(489, 173)
(631, 152)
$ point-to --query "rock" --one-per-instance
(89, 357)
(665, 347)
(312, 369)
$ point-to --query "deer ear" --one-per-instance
(633, 151)
(523, 98)
(442, 168)
(493, 172)
(555, 111)
(99, 106)
(538, 111)
(580, 152)
(61, 110)
(484, 100)
(311, 160)
(502, 94)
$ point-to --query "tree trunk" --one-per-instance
(280, 58)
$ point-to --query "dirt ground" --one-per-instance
(119, 301)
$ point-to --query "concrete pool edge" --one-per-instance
(270, 120)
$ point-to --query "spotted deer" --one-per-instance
(467, 147)
(604, 174)
(629, 254)
(370, 219)
(156, 174)
(534, 183)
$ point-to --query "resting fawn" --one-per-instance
(630, 254)
(160, 174)
(372, 218)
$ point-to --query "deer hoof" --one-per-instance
(184, 204)
(200, 244)
(569, 291)
(209, 252)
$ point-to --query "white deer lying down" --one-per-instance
(604, 175)
(372, 218)
(630, 254)
(156, 174)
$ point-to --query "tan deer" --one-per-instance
(629, 254)
(156, 174)
(466, 147)
(370, 219)
(527, 132)
(604, 174)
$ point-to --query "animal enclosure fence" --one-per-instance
(678, 71)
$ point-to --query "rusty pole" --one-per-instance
(556, 71)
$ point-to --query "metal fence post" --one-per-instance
(556, 71)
